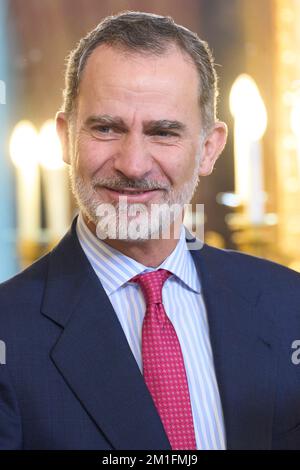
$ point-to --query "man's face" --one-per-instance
(137, 128)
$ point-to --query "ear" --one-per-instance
(62, 129)
(213, 146)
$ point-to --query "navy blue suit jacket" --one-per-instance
(71, 381)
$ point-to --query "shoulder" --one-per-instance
(241, 267)
(23, 329)
(24, 291)
(272, 289)
(32, 276)
(237, 258)
(21, 297)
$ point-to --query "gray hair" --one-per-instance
(145, 33)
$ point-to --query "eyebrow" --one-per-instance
(164, 124)
(149, 126)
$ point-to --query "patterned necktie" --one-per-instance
(163, 365)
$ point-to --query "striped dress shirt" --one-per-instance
(184, 305)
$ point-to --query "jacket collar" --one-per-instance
(122, 268)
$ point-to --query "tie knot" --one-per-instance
(151, 284)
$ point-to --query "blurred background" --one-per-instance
(252, 199)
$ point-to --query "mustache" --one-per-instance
(117, 183)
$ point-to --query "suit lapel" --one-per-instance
(241, 339)
(93, 355)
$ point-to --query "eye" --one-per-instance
(105, 132)
(165, 133)
(164, 136)
(102, 129)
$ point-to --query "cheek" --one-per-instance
(91, 155)
(179, 165)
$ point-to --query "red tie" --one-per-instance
(163, 365)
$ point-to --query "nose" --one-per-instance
(133, 159)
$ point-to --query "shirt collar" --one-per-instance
(114, 269)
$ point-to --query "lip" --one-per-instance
(141, 197)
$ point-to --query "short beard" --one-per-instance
(170, 207)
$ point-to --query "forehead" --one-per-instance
(116, 78)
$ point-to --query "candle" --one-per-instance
(256, 206)
(295, 123)
(23, 151)
(250, 121)
(55, 182)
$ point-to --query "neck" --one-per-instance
(150, 252)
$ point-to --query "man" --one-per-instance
(122, 338)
